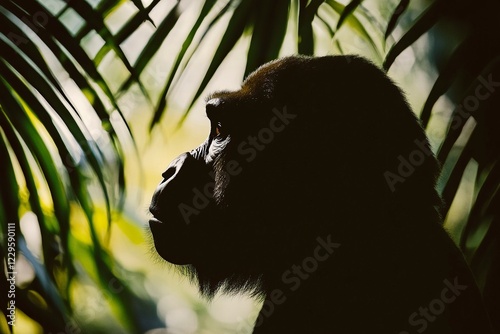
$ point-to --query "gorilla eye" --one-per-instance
(218, 129)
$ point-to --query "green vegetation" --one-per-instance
(66, 69)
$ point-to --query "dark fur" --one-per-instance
(322, 175)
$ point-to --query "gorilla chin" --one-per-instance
(308, 193)
(172, 245)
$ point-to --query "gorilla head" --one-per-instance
(316, 190)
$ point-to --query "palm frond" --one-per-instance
(52, 146)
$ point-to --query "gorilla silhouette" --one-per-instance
(315, 191)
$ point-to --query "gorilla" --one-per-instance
(315, 191)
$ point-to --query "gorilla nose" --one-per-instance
(177, 189)
(174, 167)
(169, 176)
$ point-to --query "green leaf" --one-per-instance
(398, 12)
(306, 17)
(422, 24)
(327, 26)
(458, 119)
(30, 99)
(47, 287)
(233, 33)
(91, 152)
(354, 24)
(162, 100)
(31, 51)
(269, 28)
(9, 191)
(48, 240)
(153, 45)
(14, 33)
(138, 4)
(485, 261)
(54, 29)
(479, 223)
(452, 183)
(92, 17)
(16, 115)
(446, 77)
(348, 10)
(134, 23)
(106, 7)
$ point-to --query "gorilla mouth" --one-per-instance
(161, 229)
(154, 222)
(157, 222)
(156, 226)
(170, 241)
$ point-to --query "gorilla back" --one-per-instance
(315, 190)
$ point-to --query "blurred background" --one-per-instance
(98, 96)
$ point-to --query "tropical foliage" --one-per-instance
(63, 130)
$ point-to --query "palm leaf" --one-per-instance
(235, 28)
(40, 127)
(269, 28)
(353, 22)
(348, 10)
(422, 24)
(162, 100)
(398, 12)
(306, 17)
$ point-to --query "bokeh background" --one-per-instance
(98, 96)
